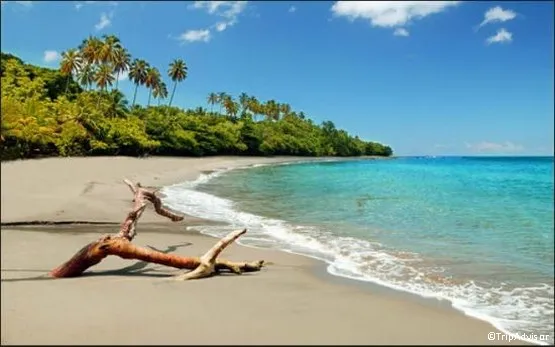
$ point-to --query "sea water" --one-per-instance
(477, 231)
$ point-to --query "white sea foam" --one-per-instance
(511, 310)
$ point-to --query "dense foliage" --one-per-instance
(78, 110)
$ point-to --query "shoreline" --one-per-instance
(382, 286)
(322, 271)
(307, 268)
(88, 184)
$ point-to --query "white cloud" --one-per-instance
(389, 14)
(25, 3)
(123, 76)
(401, 32)
(79, 4)
(51, 56)
(492, 147)
(497, 14)
(221, 26)
(202, 35)
(211, 6)
(22, 3)
(501, 36)
(228, 10)
(105, 21)
(292, 9)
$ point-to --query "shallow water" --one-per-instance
(476, 231)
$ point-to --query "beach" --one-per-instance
(130, 302)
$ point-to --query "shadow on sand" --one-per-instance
(139, 268)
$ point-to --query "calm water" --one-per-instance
(476, 231)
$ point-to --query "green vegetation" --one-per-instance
(78, 110)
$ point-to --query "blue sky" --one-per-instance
(424, 77)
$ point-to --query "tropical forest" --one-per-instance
(78, 110)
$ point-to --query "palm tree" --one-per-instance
(71, 63)
(212, 100)
(263, 110)
(87, 76)
(90, 50)
(122, 61)
(254, 106)
(222, 96)
(137, 73)
(152, 79)
(156, 91)
(160, 91)
(109, 48)
(244, 101)
(177, 72)
(272, 110)
(231, 106)
(285, 109)
(163, 92)
(119, 104)
(104, 77)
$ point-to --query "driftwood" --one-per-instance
(121, 246)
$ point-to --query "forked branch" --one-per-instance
(121, 246)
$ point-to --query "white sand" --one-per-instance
(128, 302)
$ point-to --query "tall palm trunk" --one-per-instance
(117, 80)
(67, 82)
(135, 94)
(149, 95)
(173, 92)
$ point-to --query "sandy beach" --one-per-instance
(131, 302)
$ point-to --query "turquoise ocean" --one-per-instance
(476, 231)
